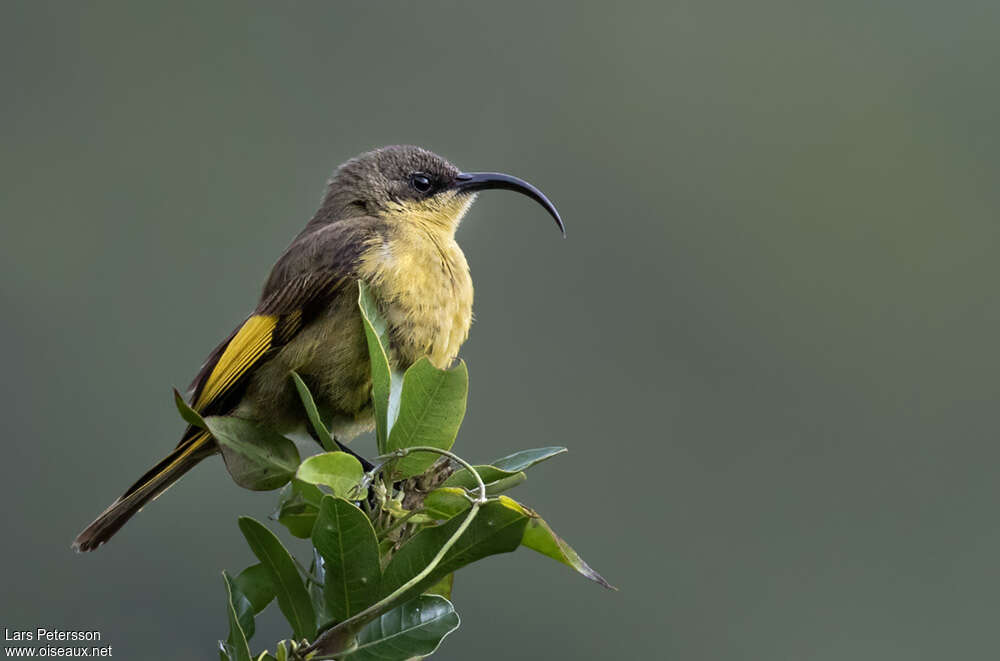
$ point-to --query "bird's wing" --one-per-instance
(223, 378)
(318, 266)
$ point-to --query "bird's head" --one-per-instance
(405, 184)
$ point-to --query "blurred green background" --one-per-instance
(769, 340)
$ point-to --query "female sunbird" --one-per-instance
(388, 218)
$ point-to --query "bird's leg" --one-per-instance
(365, 464)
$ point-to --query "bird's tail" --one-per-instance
(156, 480)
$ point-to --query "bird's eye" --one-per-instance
(420, 182)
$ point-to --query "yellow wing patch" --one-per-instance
(250, 342)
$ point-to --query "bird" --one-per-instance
(388, 218)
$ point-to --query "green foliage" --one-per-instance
(377, 336)
(496, 480)
(446, 502)
(413, 629)
(256, 585)
(498, 528)
(298, 507)
(443, 587)
(431, 408)
(256, 457)
(283, 574)
(525, 459)
(346, 540)
(385, 544)
(190, 416)
(338, 471)
(540, 537)
(322, 433)
(236, 646)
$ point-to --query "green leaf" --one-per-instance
(243, 606)
(256, 457)
(525, 459)
(236, 646)
(495, 479)
(377, 337)
(345, 538)
(190, 416)
(298, 518)
(465, 478)
(309, 493)
(281, 651)
(256, 585)
(322, 433)
(505, 484)
(413, 629)
(324, 618)
(337, 470)
(298, 507)
(443, 587)
(432, 405)
(498, 528)
(540, 537)
(293, 599)
(446, 502)
(395, 398)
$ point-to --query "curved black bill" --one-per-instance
(471, 182)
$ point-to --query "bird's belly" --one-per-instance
(433, 322)
(425, 293)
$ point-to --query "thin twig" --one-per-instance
(397, 523)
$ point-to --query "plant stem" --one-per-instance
(308, 573)
(399, 454)
(397, 523)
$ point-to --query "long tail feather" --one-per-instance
(156, 480)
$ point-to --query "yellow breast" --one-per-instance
(422, 282)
